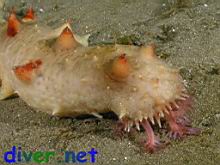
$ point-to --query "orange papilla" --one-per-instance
(13, 25)
(24, 72)
(30, 14)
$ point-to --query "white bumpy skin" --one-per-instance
(128, 80)
(76, 82)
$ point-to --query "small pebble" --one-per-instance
(218, 116)
(41, 10)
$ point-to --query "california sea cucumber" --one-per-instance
(57, 72)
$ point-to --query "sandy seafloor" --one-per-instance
(187, 35)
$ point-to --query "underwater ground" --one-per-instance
(187, 35)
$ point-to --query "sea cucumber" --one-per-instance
(55, 71)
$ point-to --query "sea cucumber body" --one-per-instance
(75, 82)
